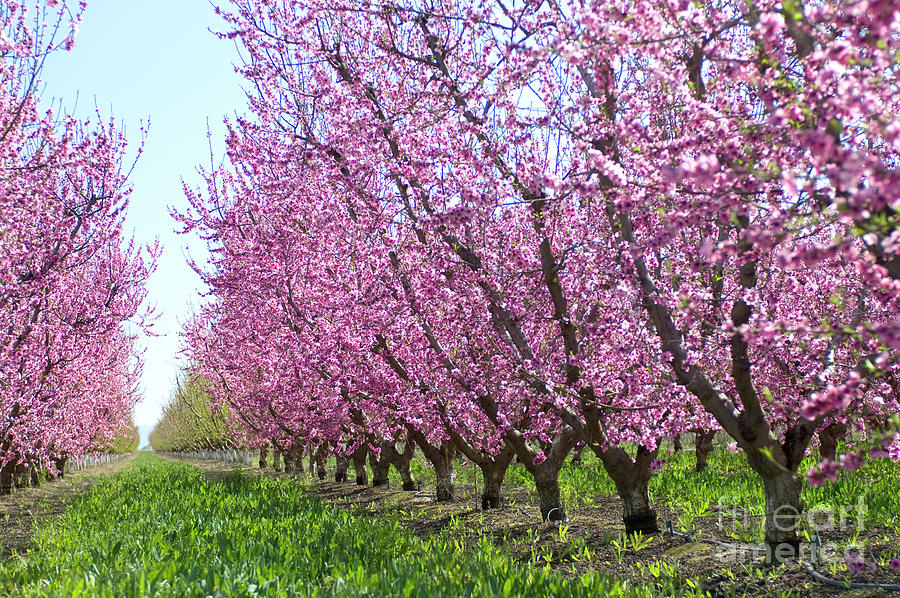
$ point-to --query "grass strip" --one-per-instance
(164, 529)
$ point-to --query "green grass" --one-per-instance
(163, 529)
(729, 480)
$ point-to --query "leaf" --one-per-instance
(835, 127)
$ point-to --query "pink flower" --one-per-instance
(856, 564)
(851, 462)
(770, 24)
(826, 470)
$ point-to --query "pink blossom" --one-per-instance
(855, 563)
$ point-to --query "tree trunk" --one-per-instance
(6, 478)
(546, 473)
(632, 480)
(783, 509)
(21, 476)
(638, 515)
(321, 455)
(441, 459)
(276, 461)
(549, 499)
(60, 465)
(777, 465)
(703, 445)
(829, 436)
(676, 443)
(292, 457)
(342, 464)
(298, 467)
(493, 471)
(381, 465)
(359, 465)
(443, 474)
(401, 462)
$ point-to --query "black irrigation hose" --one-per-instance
(853, 585)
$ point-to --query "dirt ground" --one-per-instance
(596, 527)
(20, 510)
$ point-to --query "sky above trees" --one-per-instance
(158, 61)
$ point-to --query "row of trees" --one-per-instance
(512, 228)
(71, 283)
(124, 442)
(190, 422)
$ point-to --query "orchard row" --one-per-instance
(516, 228)
(69, 279)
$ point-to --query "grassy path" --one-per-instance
(165, 529)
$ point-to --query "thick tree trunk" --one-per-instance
(263, 457)
(441, 459)
(406, 477)
(6, 478)
(703, 445)
(829, 436)
(293, 458)
(632, 480)
(546, 473)
(342, 464)
(321, 456)
(783, 509)
(401, 461)
(60, 465)
(549, 499)
(777, 466)
(638, 515)
(298, 462)
(359, 465)
(493, 471)
(21, 476)
(381, 466)
(676, 443)
(443, 474)
(276, 461)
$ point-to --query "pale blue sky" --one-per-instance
(155, 59)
